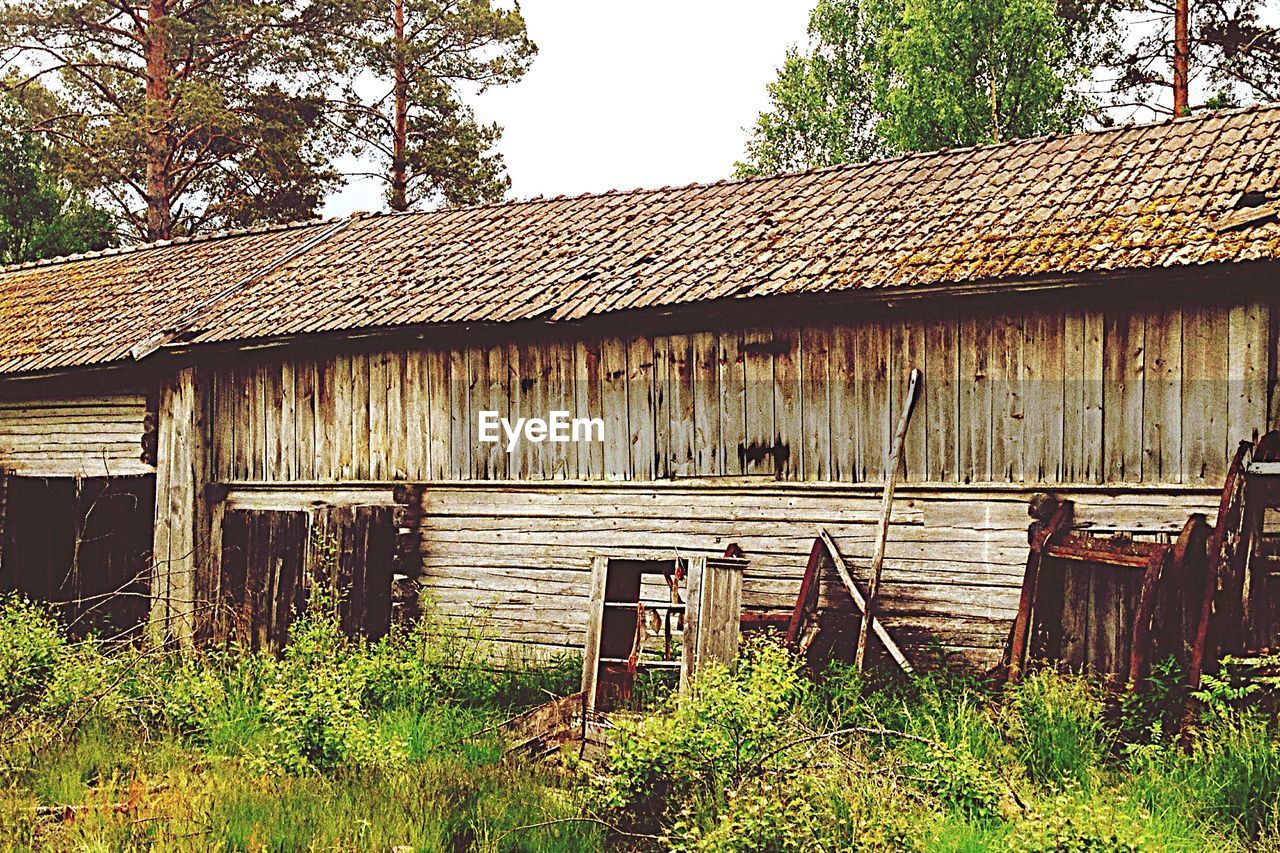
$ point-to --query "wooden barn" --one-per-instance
(1096, 315)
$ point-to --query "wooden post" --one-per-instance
(886, 509)
(595, 623)
(181, 537)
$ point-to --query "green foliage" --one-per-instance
(40, 217)
(1151, 716)
(184, 115)
(422, 59)
(1055, 725)
(1063, 824)
(974, 72)
(1234, 769)
(763, 814)
(31, 647)
(887, 76)
(1240, 682)
(821, 105)
(700, 744)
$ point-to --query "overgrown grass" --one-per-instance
(343, 745)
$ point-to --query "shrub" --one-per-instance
(729, 725)
(31, 646)
(762, 814)
(1055, 727)
(312, 702)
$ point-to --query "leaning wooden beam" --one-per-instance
(842, 568)
(1059, 520)
(886, 509)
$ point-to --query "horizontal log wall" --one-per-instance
(1066, 396)
(98, 436)
(515, 559)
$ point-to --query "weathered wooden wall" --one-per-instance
(75, 436)
(1066, 395)
(517, 558)
(1145, 404)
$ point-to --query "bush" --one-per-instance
(1055, 726)
(726, 728)
(312, 700)
(763, 814)
(31, 647)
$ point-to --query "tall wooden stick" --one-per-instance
(886, 508)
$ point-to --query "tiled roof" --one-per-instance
(1162, 195)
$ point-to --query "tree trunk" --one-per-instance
(1181, 58)
(156, 129)
(400, 128)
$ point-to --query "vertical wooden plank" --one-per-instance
(1162, 398)
(682, 377)
(595, 621)
(613, 401)
(480, 453)
(1248, 335)
(397, 438)
(976, 399)
(416, 426)
(1204, 398)
(845, 401)
(757, 363)
(272, 406)
(1075, 615)
(305, 417)
(494, 396)
(1082, 397)
(439, 415)
(287, 450)
(1124, 356)
(459, 415)
(1093, 436)
(733, 432)
(562, 457)
(1008, 403)
(707, 445)
(908, 342)
(941, 410)
(257, 424)
(588, 375)
(533, 390)
(815, 402)
(788, 406)
(662, 414)
(875, 422)
(1043, 369)
(640, 408)
(379, 438)
(361, 466)
(328, 432)
(519, 387)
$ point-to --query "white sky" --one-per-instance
(630, 94)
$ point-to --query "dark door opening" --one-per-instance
(82, 545)
(272, 560)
